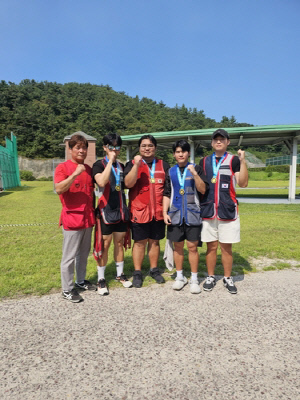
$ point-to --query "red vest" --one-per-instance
(78, 211)
(145, 198)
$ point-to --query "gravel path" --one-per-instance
(156, 344)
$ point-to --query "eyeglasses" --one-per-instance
(113, 147)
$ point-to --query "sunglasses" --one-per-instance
(113, 147)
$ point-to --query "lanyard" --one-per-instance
(152, 170)
(216, 167)
(181, 178)
(117, 173)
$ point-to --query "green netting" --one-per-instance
(282, 160)
(9, 168)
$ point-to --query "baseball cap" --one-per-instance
(220, 132)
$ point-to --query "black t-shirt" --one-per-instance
(98, 168)
(235, 163)
(200, 172)
(129, 166)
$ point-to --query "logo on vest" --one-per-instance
(160, 181)
(224, 185)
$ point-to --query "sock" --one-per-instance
(179, 274)
(120, 267)
(101, 272)
(194, 276)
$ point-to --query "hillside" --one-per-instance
(41, 114)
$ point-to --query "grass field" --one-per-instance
(31, 241)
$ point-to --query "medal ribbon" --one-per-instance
(214, 164)
(116, 172)
(181, 178)
(152, 170)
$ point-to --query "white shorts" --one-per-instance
(223, 231)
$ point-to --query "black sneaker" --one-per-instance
(209, 284)
(156, 275)
(137, 279)
(86, 285)
(72, 296)
(228, 283)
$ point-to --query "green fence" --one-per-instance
(9, 167)
(282, 160)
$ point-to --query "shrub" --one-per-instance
(45, 178)
(26, 176)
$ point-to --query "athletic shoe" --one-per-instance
(125, 282)
(228, 283)
(156, 275)
(194, 286)
(209, 284)
(86, 285)
(137, 279)
(72, 296)
(179, 283)
(102, 288)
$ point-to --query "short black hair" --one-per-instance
(112, 138)
(150, 137)
(183, 144)
(78, 139)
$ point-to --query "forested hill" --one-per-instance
(41, 114)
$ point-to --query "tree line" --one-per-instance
(41, 114)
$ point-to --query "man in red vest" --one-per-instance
(145, 178)
(74, 185)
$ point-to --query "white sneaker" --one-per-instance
(194, 286)
(123, 279)
(179, 283)
(102, 288)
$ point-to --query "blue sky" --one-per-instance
(225, 57)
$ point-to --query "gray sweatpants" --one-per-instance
(75, 252)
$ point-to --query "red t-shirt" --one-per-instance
(77, 202)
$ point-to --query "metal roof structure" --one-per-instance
(239, 136)
(247, 136)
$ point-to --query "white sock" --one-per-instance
(179, 274)
(194, 276)
(120, 267)
(101, 272)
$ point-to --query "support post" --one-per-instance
(192, 154)
(293, 168)
(128, 152)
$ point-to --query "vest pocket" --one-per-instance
(227, 211)
(73, 218)
(207, 209)
(193, 215)
(175, 215)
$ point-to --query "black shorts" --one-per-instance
(108, 229)
(177, 233)
(154, 230)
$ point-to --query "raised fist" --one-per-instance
(137, 159)
(79, 169)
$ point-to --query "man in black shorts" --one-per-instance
(145, 178)
(181, 210)
(112, 209)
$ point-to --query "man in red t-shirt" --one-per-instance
(74, 185)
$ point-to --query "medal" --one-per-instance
(117, 174)
(216, 167)
(152, 170)
(181, 178)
